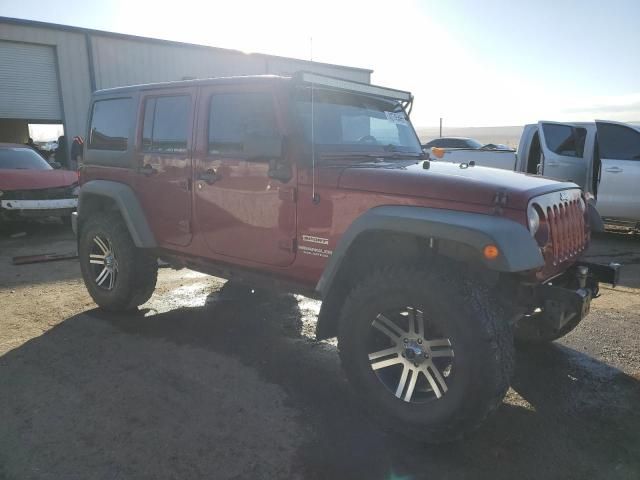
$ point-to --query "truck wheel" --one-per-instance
(118, 275)
(536, 330)
(429, 355)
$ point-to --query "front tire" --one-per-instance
(429, 355)
(118, 275)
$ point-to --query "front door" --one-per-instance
(164, 163)
(240, 210)
(563, 150)
(619, 190)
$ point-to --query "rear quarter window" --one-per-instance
(110, 129)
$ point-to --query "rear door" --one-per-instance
(563, 150)
(619, 191)
(163, 153)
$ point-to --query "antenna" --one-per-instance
(314, 197)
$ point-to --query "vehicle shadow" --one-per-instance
(569, 416)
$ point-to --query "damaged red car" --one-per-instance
(31, 188)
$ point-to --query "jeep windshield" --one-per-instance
(348, 123)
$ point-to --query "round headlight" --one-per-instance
(534, 220)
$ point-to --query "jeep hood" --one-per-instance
(448, 181)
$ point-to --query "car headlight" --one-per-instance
(75, 191)
(534, 220)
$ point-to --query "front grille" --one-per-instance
(39, 194)
(566, 230)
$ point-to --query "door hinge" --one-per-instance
(288, 244)
(185, 226)
(288, 194)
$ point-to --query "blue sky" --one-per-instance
(475, 63)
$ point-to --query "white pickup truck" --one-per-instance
(603, 157)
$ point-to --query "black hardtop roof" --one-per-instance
(237, 80)
(301, 78)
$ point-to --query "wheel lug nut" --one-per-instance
(406, 340)
(420, 341)
(415, 364)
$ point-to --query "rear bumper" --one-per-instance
(571, 294)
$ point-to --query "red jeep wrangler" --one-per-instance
(319, 186)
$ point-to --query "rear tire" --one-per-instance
(118, 275)
(461, 357)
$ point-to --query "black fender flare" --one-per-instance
(128, 205)
(595, 220)
(518, 249)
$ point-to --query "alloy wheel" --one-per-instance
(104, 262)
(410, 356)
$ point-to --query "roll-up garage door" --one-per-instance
(28, 82)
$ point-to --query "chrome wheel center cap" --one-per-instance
(108, 260)
(415, 353)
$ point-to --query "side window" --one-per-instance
(110, 124)
(564, 139)
(234, 115)
(166, 123)
(618, 142)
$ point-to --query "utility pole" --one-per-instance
(440, 127)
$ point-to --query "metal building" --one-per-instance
(48, 71)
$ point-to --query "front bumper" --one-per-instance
(38, 208)
(570, 294)
(61, 203)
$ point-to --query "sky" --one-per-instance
(471, 62)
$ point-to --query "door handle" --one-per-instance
(148, 170)
(552, 164)
(613, 170)
(209, 176)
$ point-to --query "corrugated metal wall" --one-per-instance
(121, 60)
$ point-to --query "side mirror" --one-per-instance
(262, 147)
(279, 170)
(268, 147)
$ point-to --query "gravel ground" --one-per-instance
(190, 388)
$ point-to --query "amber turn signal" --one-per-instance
(491, 252)
(438, 152)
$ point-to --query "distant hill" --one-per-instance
(507, 135)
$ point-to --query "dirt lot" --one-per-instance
(186, 388)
